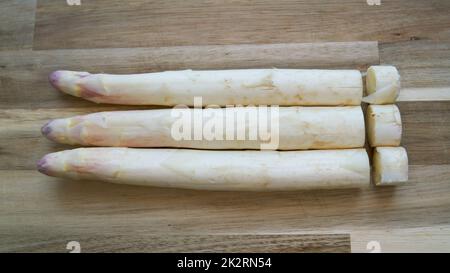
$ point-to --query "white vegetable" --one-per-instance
(295, 128)
(213, 170)
(390, 165)
(384, 125)
(220, 87)
(382, 84)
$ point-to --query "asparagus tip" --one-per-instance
(67, 81)
(53, 78)
(42, 165)
(46, 129)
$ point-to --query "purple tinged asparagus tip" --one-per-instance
(42, 165)
(54, 78)
(46, 129)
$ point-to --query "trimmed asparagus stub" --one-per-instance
(390, 165)
(297, 128)
(220, 87)
(382, 84)
(213, 170)
(384, 125)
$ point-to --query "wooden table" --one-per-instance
(39, 213)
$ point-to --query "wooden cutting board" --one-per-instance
(39, 213)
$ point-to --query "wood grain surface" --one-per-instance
(42, 214)
(17, 24)
(99, 24)
(323, 243)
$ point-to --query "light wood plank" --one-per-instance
(94, 242)
(426, 131)
(35, 204)
(421, 63)
(425, 94)
(406, 240)
(17, 24)
(138, 23)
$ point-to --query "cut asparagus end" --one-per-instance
(390, 166)
(384, 125)
(382, 84)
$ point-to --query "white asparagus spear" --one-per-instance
(213, 170)
(298, 128)
(219, 87)
(382, 84)
(390, 165)
(384, 125)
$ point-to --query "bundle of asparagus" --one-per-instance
(333, 129)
